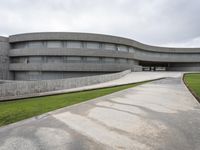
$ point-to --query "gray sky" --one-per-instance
(155, 22)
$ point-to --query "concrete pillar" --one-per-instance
(4, 59)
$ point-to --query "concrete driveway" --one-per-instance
(157, 115)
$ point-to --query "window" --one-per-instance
(121, 60)
(14, 60)
(65, 59)
(74, 59)
(109, 60)
(35, 44)
(20, 75)
(131, 50)
(54, 44)
(108, 46)
(130, 61)
(54, 59)
(33, 75)
(20, 45)
(92, 45)
(51, 75)
(122, 48)
(35, 59)
(93, 59)
(74, 44)
(19, 60)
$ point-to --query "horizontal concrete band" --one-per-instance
(22, 89)
(96, 38)
(68, 52)
(166, 57)
(107, 67)
(138, 55)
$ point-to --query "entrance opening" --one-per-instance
(153, 66)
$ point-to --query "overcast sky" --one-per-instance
(155, 22)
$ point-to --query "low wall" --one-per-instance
(18, 89)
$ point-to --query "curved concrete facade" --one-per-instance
(37, 56)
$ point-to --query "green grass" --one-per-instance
(13, 111)
(192, 80)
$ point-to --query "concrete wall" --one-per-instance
(91, 67)
(68, 52)
(4, 59)
(18, 89)
(143, 55)
(96, 38)
(53, 58)
(49, 52)
(95, 45)
(51, 75)
(44, 56)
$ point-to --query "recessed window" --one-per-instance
(92, 45)
(54, 59)
(121, 60)
(108, 46)
(35, 59)
(122, 48)
(130, 61)
(20, 75)
(74, 59)
(14, 60)
(34, 75)
(131, 50)
(19, 60)
(92, 59)
(52, 75)
(54, 44)
(74, 44)
(109, 60)
(35, 44)
(20, 45)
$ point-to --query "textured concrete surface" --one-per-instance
(4, 59)
(20, 89)
(96, 38)
(161, 115)
(24, 89)
(125, 54)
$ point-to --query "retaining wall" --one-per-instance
(18, 89)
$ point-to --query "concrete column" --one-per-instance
(4, 59)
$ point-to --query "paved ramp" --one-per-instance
(154, 116)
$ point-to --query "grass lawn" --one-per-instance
(13, 111)
(193, 82)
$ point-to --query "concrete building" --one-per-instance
(45, 56)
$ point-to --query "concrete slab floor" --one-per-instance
(161, 115)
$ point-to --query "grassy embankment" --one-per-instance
(13, 111)
(192, 80)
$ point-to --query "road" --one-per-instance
(158, 115)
